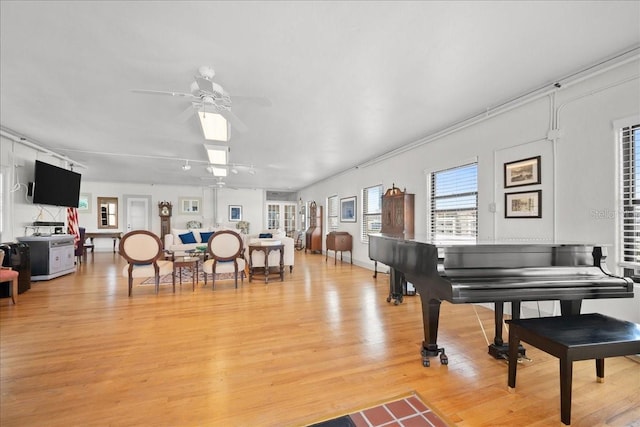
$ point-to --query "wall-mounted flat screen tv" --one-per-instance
(55, 186)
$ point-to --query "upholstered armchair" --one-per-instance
(225, 251)
(145, 258)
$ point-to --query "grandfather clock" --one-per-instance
(165, 218)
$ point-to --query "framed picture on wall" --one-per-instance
(190, 205)
(523, 204)
(348, 209)
(522, 172)
(235, 213)
(84, 202)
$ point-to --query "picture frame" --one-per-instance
(235, 213)
(523, 204)
(84, 202)
(190, 205)
(522, 172)
(348, 209)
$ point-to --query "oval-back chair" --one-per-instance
(145, 258)
(226, 255)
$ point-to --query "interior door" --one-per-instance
(138, 214)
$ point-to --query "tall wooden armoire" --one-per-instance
(398, 212)
(314, 232)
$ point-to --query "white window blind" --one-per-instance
(332, 213)
(630, 186)
(454, 203)
(371, 211)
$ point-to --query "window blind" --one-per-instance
(630, 179)
(332, 213)
(454, 203)
(371, 211)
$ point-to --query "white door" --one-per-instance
(138, 213)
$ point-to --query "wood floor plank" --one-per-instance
(77, 351)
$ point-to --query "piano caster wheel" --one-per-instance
(444, 359)
(425, 357)
(388, 299)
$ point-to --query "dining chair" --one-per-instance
(225, 251)
(145, 258)
(7, 274)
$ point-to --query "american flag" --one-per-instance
(72, 224)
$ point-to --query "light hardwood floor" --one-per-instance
(76, 351)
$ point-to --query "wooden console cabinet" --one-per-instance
(314, 232)
(398, 212)
(339, 241)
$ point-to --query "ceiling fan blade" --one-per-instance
(258, 100)
(186, 114)
(160, 92)
(234, 120)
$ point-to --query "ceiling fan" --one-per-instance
(209, 97)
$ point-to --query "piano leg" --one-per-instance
(375, 269)
(499, 349)
(430, 319)
(570, 307)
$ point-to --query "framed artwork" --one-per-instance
(84, 202)
(190, 205)
(348, 209)
(523, 204)
(522, 172)
(235, 213)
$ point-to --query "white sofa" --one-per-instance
(274, 257)
(173, 242)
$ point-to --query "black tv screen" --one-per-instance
(55, 186)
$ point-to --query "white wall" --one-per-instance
(579, 172)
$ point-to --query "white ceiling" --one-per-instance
(348, 81)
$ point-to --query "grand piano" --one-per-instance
(497, 273)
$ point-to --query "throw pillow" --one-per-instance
(187, 238)
(205, 235)
(265, 236)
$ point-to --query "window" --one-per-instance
(332, 213)
(630, 186)
(454, 204)
(371, 211)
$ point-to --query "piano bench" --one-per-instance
(569, 338)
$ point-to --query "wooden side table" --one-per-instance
(339, 241)
(181, 262)
(266, 249)
(569, 338)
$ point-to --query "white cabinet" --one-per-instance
(51, 256)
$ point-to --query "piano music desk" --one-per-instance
(569, 338)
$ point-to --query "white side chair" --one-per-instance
(226, 255)
(145, 258)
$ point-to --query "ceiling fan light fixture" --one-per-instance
(214, 126)
(234, 171)
(186, 166)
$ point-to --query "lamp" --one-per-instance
(218, 154)
(214, 126)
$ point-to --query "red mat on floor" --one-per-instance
(407, 411)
